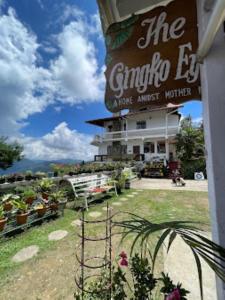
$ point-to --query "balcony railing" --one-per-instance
(136, 134)
(122, 157)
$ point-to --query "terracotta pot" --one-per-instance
(30, 200)
(7, 206)
(45, 196)
(54, 206)
(22, 218)
(41, 211)
(2, 224)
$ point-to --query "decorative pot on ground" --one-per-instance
(22, 218)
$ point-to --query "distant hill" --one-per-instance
(35, 165)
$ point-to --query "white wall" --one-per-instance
(153, 119)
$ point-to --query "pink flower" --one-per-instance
(175, 295)
(123, 254)
(124, 262)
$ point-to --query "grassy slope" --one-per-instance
(151, 204)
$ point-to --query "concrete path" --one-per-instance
(166, 184)
(181, 266)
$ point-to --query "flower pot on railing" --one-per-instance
(41, 211)
(3, 223)
(30, 200)
(7, 206)
(54, 206)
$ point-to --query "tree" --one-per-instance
(9, 153)
(190, 148)
(190, 141)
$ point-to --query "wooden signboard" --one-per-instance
(151, 58)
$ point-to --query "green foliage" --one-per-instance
(201, 247)
(57, 196)
(46, 185)
(190, 148)
(190, 141)
(20, 205)
(118, 285)
(188, 168)
(144, 281)
(9, 198)
(9, 153)
(28, 193)
(169, 287)
(1, 212)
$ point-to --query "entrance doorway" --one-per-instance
(136, 150)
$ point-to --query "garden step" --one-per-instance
(57, 235)
(25, 254)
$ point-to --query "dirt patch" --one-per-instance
(47, 277)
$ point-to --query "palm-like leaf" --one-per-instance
(201, 247)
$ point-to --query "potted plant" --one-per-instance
(40, 175)
(28, 175)
(3, 219)
(45, 186)
(11, 178)
(7, 201)
(2, 179)
(57, 198)
(29, 195)
(41, 209)
(22, 211)
(19, 177)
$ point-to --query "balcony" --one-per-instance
(157, 132)
(122, 157)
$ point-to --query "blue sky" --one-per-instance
(52, 76)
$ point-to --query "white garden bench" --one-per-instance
(90, 187)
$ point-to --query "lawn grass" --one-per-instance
(155, 205)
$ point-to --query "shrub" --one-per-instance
(188, 168)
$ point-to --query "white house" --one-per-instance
(138, 135)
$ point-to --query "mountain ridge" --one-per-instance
(35, 165)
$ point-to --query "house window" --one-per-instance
(161, 147)
(149, 147)
(141, 125)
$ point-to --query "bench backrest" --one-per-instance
(82, 185)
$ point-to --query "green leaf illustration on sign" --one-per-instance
(121, 38)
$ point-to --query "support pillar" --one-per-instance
(167, 149)
(213, 95)
(155, 148)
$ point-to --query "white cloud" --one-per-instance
(75, 72)
(73, 77)
(24, 87)
(61, 143)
